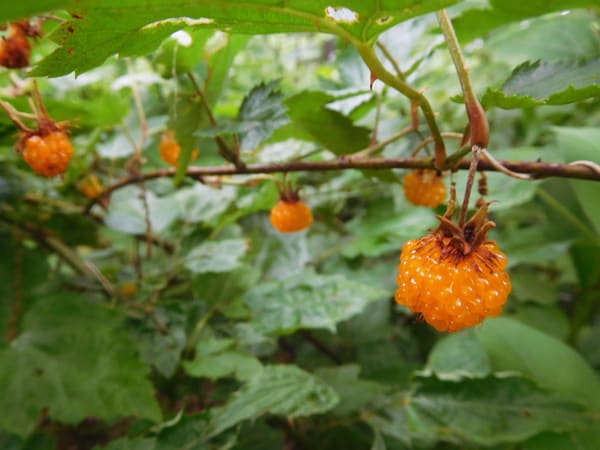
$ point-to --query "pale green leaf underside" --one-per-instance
(308, 300)
(136, 27)
(478, 21)
(541, 83)
(216, 256)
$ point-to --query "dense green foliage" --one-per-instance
(175, 317)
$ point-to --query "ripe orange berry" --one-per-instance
(128, 289)
(290, 216)
(454, 277)
(170, 149)
(91, 186)
(47, 154)
(424, 188)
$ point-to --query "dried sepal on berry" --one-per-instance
(424, 188)
(15, 49)
(454, 277)
(170, 149)
(290, 214)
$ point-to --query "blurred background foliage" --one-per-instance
(177, 318)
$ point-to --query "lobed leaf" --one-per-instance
(476, 22)
(216, 256)
(513, 346)
(309, 113)
(308, 300)
(217, 358)
(261, 113)
(485, 411)
(135, 28)
(72, 359)
(543, 83)
(283, 390)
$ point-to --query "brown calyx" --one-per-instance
(287, 193)
(459, 242)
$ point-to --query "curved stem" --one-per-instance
(381, 46)
(480, 129)
(369, 56)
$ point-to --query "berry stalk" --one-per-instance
(479, 126)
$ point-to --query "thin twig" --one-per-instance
(229, 154)
(388, 55)
(44, 237)
(369, 56)
(470, 180)
(430, 139)
(320, 346)
(13, 115)
(137, 99)
(374, 148)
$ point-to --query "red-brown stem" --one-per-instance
(537, 169)
(470, 180)
(414, 113)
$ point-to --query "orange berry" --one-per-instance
(15, 50)
(128, 289)
(424, 188)
(290, 216)
(170, 149)
(47, 154)
(91, 186)
(454, 277)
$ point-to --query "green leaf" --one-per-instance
(308, 300)
(204, 204)
(11, 11)
(542, 83)
(574, 32)
(458, 356)
(23, 272)
(226, 290)
(217, 358)
(261, 113)
(477, 22)
(379, 232)
(216, 256)
(483, 411)
(161, 338)
(580, 440)
(73, 359)
(127, 212)
(282, 390)
(582, 143)
(130, 444)
(513, 346)
(308, 111)
(176, 56)
(188, 113)
(133, 29)
(378, 441)
(355, 393)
